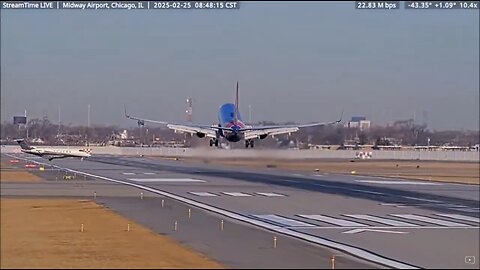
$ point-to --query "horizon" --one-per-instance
(298, 62)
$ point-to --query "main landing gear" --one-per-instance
(249, 143)
(214, 142)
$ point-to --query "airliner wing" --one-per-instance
(266, 128)
(208, 130)
(141, 121)
(254, 132)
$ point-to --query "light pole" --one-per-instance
(88, 123)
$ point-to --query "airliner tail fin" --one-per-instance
(236, 107)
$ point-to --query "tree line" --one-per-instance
(403, 132)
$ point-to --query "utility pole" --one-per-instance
(26, 122)
(59, 123)
(189, 110)
(88, 116)
(88, 122)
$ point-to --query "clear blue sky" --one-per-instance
(295, 62)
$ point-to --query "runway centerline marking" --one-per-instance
(354, 231)
(391, 182)
(169, 180)
(270, 194)
(421, 199)
(468, 210)
(237, 194)
(203, 194)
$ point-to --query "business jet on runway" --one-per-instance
(53, 153)
(231, 126)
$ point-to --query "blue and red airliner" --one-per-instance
(231, 127)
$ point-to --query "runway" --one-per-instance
(393, 222)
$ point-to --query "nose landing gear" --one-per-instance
(250, 143)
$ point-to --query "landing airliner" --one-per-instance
(53, 153)
(231, 127)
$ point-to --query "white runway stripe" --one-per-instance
(174, 180)
(469, 210)
(270, 194)
(237, 194)
(431, 220)
(386, 221)
(420, 199)
(398, 182)
(128, 173)
(284, 221)
(369, 192)
(204, 194)
(336, 221)
(461, 217)
(149, 173)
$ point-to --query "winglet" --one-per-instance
(126, 115)
(341, 116)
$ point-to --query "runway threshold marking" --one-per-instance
(335, 221)
(286, 222)
(455, 207)
(359, 252)
(391, 222)
(461, 217)
(430, 220)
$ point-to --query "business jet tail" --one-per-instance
(23, 144)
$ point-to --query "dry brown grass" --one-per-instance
(461, 172)
(14, 173)
(46, 234)
(18, 177)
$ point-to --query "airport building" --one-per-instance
(360, 122)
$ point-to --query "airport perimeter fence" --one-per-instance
(470, 156)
